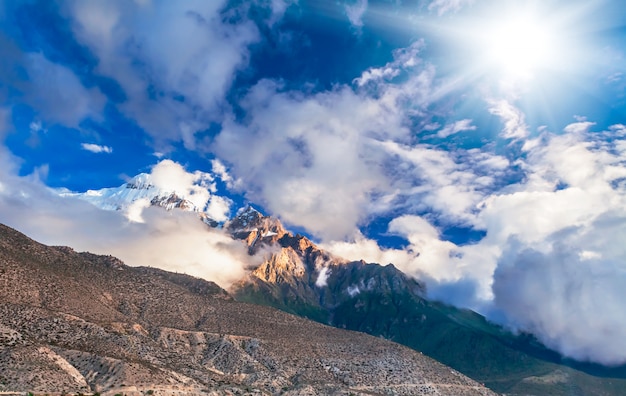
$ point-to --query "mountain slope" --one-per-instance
(77, 322)
(300, 278)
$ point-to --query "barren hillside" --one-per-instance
(77, 322)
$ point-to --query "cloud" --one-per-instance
(355, 12)
(560, 272)
(317, 160)
(314, 174)
(197, 187)
(514, 120)
(450, 183)
(570, 297)
(460, 275)
(322, 277)
(174, 61)
(444, 6)
(278, 9)
(166, 177)
(96, 148)
(220, 170)
(218, 208)
(456, 127)
(174, 241)
(56, 92)
(552, 258)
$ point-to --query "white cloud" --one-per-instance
(174, 241)
(456, 127)
(135, 210)
(195, 187)
(219, 169)
(314, 174)
(279, 7)
(552, 258)
(436, 180)
(514, 120)
(561, 271)
(572, 300)
(355, 12)
(58, 94)
(322, 277)
(160, 52)
(218, 208)
(96, 148)
(36, 126)
(445, 6)
(316, 160)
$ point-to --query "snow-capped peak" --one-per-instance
(168, 186)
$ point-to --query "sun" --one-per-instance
(518, 46)
(514, 41)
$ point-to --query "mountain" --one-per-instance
(81, 323)
(143, 190)
(300, 278)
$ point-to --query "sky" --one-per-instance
(479, 145)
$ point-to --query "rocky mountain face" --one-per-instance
(300, 278)
(80, 323)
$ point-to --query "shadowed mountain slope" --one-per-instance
(300, 278)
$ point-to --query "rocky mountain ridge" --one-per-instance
(299, 277)
(81, 323)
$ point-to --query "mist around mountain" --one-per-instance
(380, 300)
(79, 323)
(292, 274)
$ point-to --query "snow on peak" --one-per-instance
(246, 216)
(168, 186)
(140, 182)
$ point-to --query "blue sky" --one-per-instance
(466, 141)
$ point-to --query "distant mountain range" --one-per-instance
(300, 278)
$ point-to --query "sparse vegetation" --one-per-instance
(87, 323)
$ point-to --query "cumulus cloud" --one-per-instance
(561, 269)
(162, 52)
(174, 241)
(569, 296)
(457, 274)
(96, 148)
(317, 159)
(552, 258)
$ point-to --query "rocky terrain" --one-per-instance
(80, 323)
(300, 278)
